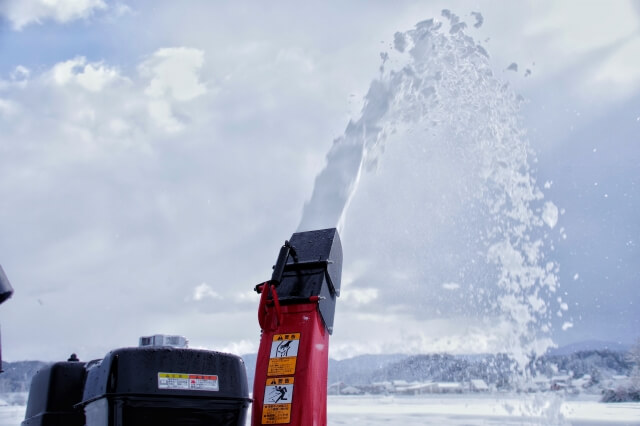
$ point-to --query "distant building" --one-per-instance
(541, 383)
(433, 387)
(583, 382)
(399, 383)
(415, 388)
(336, 388)
(560, 382)
(617, 381)
(377, 388)
(478, 385)
(448, 387)
(350, 390)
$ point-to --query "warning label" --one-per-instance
(284, 352)
(278, 393)
(276, 414)
(186, 381)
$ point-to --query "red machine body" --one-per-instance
(296, 317)
(291, 370)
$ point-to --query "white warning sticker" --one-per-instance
(278, 391)
(285, 345)
(187, 381)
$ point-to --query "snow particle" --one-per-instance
(399, 41)
(550, 214)
(450, 286)
(479, 19)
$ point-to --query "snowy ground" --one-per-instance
(454, 410)
(11, 415)
(540, 409)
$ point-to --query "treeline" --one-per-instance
(17, 375)
(365, 369)
(496, 369)
(595, 363)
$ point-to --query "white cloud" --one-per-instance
(18, 78)
(293, 57)
(121, 9)
(173, 77)
(173, 73)
(87, 108)
(90, 76)
(601, 44)
(618, 73)
(240, 347)
(25, 12)
(359, 296)
(118, 126)
(579, 27)
(247, 297)
(204, 291)
(160, 112)
(20, 73)
(587, 50)
(387, 332)
(8, 108)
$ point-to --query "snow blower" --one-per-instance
(162, 382)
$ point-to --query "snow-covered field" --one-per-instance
(11, 415)
(455, 410)
(540, 409)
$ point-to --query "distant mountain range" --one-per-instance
(602, 359)
(589, 345)
(17, 375)
(495, 369)
(589, 357)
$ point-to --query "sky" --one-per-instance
(154, 156)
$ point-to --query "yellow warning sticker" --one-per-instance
(278, 395)
(281, 366)
(284, 353)
(276, 414)
(280, 381)
(289, 336)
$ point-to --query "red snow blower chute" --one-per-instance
(296, 313)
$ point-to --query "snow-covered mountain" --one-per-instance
(495, 369)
